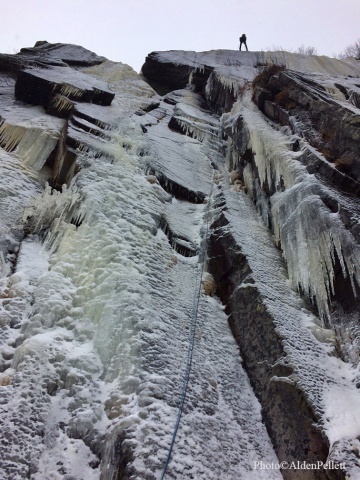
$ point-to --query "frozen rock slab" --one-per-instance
(222, 73)
(29, 137)
(68, 53)
(96, 114)
(194, 122)
(45, 54)
(40, 86)
(169, 70)
(179, 164)
(165, 76)
(12, 64)
(292, 372)
(181, 223)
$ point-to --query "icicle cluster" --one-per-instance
(52, 211)
(32, 144)
(311, 236)
(62, 103)
(10, 136)
(71, 91)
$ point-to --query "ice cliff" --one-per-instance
(187, 237)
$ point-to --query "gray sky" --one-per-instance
(127, 30)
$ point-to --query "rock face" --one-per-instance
(148, 236)
(55, 88)
(73, 55)
(292, 146)
(59, 89)
(322, 113)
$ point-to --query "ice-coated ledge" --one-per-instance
(292, 61)
(68, 53)
(40, 85)
(95, 364)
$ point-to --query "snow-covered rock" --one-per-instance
(147, 236)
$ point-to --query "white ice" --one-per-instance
(102, 332)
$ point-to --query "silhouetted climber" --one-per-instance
(243, 41)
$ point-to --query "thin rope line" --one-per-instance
(191, 339)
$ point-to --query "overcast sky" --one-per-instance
(127, 30)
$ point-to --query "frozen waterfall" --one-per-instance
(121, 209)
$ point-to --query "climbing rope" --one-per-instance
(194, 312)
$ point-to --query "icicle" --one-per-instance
(275, 161)
(62, 103)
(10, 136)
(32, 145)
(52, 209)
(309, 246)
(197, 130)
(70, 91)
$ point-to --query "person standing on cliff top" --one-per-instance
(243, 41)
